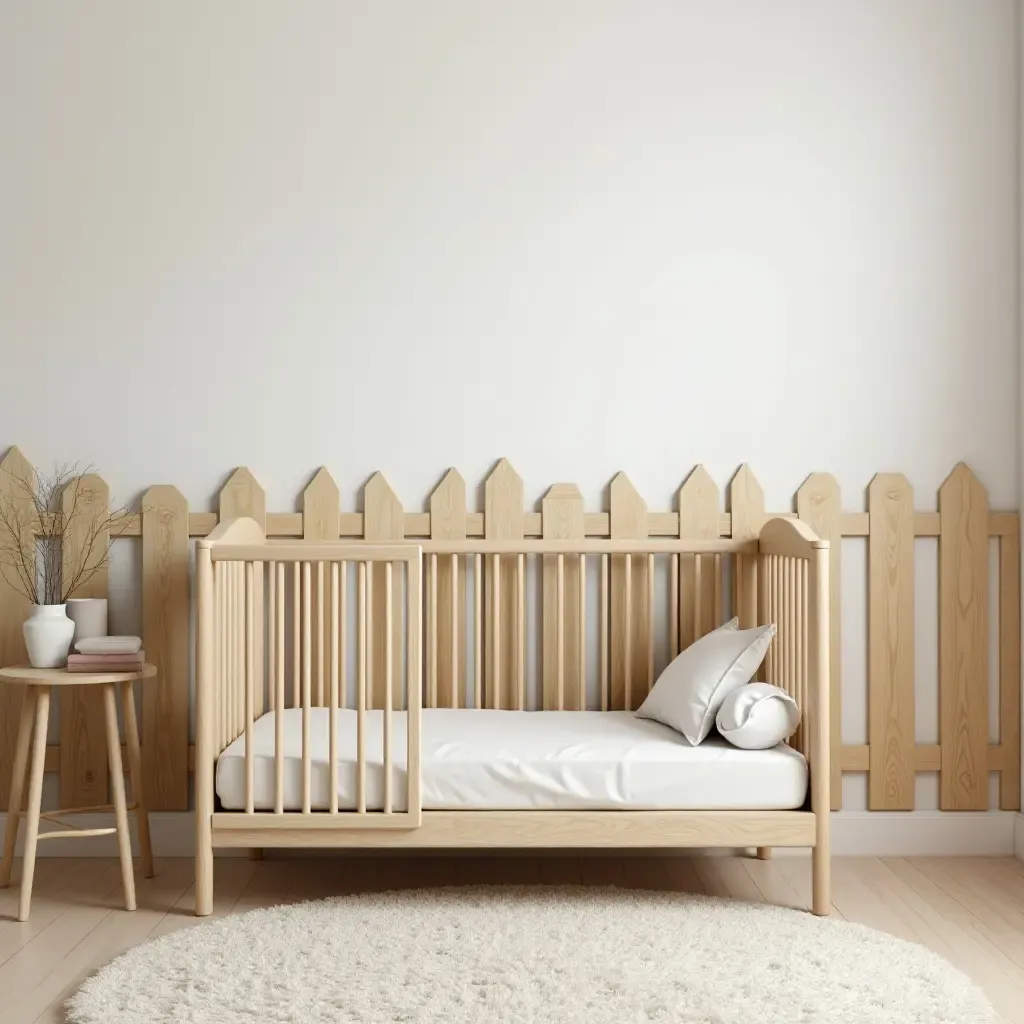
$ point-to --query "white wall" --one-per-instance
(589, 236)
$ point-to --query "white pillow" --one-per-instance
(758, 716)
(690, 691)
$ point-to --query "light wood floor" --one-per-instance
(970, 911)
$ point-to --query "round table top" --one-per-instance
(62, 677)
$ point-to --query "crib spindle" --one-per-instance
(332, 761)
(496, 632)
(478, 632)
(361, 693)
(604, 633)
(673, 607)
(432, 616)
(456, 687)
(650, 623)
(272, 637)
(560, 631)
(413, 683)
(296, 636)
(279, 717)
(218, 641)
(250, 696)
(790, 682)
(803, 742)
(581, 679)
(307, 684)
(718, 594)
(521, 632)
(388, 683)
(320, 644)
(627, 639)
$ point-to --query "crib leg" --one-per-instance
(204, 879)
(821, 880)
(764, 853)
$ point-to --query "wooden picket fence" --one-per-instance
(963, 526)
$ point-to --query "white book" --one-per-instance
(109, 645)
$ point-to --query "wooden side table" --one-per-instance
(35, 713)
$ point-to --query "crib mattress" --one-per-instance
(519, 760)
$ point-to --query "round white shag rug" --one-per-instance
(526, 956)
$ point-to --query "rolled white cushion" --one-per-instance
(757, 717)
(690, 691)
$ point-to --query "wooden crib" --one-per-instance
(359, 629)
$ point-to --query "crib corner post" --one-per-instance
(819, 625)
(205, 752)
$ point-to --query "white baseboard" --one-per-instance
(923, 833)
(854, 834)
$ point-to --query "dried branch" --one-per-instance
(53, 537)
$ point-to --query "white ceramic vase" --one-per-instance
(48, 634)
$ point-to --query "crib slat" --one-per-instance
(791, 625)
(238, 656)
(296, 637)
(319, 634)
(521, 632)
(333, 723)
(627, 645)
(250, 696)
(604, 633)
(279, 717)
(361, 695)
(581, 697)
(560, 631)
(804, 737)
(457, 684)
(219, 637)
(307, 682)
(496, 632)
(272, 637)
(650, 622)
(718, 593)
(478, 631)
(414, 691)
(673, 606)
(432, 617)
(388, 682)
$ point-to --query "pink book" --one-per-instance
(126, 661)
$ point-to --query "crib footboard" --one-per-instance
(284, 626)
(792, 591)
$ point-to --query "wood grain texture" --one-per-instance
(746, 500)
(165, 621)
(321, 509)
(503, 520)
(819, 505)
(242, 495)
(14, 610)
(700, 575)
(963, 642)
(448, 522)
(383, 520)
(518, 829)
(562, 519)
(891, 643)
(83, 766)
(1009, 668)
(629, 596)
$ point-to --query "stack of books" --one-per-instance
(107, 654)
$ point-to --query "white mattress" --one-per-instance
(521, 760)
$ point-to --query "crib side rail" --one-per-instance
(273, 629)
